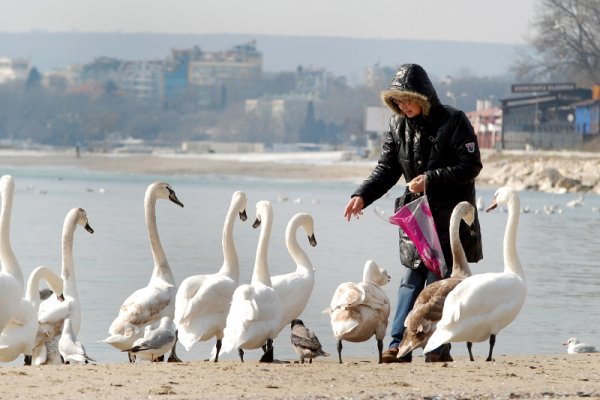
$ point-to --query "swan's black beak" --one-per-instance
(174, 199)
(88, 228)
(243, 215)
(256, 223)
(491, 206)
(312, 240)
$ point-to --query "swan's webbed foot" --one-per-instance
(27, 360)
(267, 357)
(241, 353)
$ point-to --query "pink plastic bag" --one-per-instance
(416, 221)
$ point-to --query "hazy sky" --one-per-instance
(498, 21)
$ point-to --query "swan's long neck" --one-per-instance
(511, 259)
(8, 260)
(261, 268)
(68, 267)
(161, 265)
(296, 252)
(460, 265)
(231, 263)
(32, 294)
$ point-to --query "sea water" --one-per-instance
(557, 245)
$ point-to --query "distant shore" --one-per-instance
(508, 377)
(543, 171)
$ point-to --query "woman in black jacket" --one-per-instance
(434, 148)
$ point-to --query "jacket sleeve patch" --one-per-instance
(470, 147)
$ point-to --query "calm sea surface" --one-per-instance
(559, 251)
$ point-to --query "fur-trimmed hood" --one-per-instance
(410, 82)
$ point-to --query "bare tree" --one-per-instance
(566, 45)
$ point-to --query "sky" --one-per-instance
(487, 21)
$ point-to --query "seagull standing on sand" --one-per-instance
(305, 342)
(575, 347)
(71, 349)
(156, 342)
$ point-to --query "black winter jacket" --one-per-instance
(441, 145)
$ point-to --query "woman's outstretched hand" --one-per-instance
(354, 207)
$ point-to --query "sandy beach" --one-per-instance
(509, 377)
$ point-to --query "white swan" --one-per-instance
(255, 312)
(146, 306)
(53, 312)
(421, 320)
(11, 276)
(18, 337)
(71, 350)
(202, 301)
(361, 310)
(482, 305)
(294, 289)
(155, 342)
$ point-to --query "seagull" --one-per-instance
(575, 347)
(155, 343)
(71, 349)
(305, 342)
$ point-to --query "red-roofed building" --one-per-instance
(487, 123)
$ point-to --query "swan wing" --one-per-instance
(208, 295)
(429, 305)
(374, 296)
(144, 306)
(347, 294)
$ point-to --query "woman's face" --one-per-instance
(409, 107)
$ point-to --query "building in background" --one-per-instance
(13, 69)
(487, 124)
(542, 119)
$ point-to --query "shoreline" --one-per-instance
(553, 172)
(524, 377)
